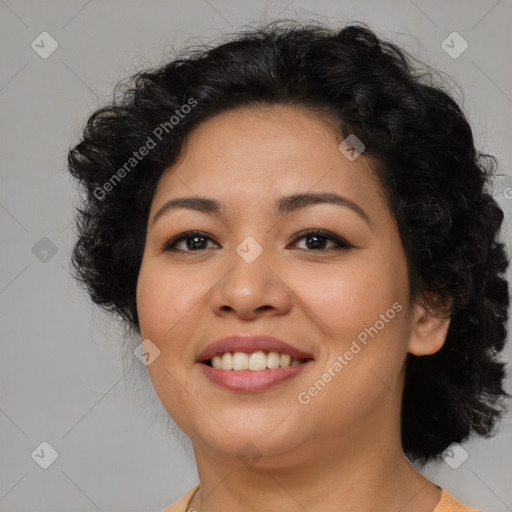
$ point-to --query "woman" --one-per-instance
(345, 307)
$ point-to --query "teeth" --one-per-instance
(285, 360)
(240, 361)
(255, 362)
(273, 360)
(226, 361)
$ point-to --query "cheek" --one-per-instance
(350, 299)
(165, 306)
(165, 299)
(364, 311)
(364, 308)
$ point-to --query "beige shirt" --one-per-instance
(447, 503)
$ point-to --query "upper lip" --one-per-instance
(249, 344)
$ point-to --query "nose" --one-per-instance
(250, 290)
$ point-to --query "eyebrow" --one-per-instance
(284, 205)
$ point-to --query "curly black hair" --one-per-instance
(436, 182)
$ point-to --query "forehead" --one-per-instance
(266, 133)
(254, 154)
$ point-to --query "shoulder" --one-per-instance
(181, 504)
(448, 503)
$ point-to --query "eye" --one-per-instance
(316, 240)
(194, 241)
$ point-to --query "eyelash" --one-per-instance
(342, 244)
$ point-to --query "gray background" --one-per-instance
(63, 379)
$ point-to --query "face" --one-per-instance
(341, 295)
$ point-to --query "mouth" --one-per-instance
(256, 361)
(251, 352)
(251, 362)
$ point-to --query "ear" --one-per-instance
(428, 332)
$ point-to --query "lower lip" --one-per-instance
(248, 380)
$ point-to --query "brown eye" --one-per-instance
(316, 240)
(194, 241)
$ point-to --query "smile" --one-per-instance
(240, 377)
(256, 361)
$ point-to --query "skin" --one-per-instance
(341, 451)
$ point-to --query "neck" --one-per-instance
(346, 473)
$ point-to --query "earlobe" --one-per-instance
(428, 332)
